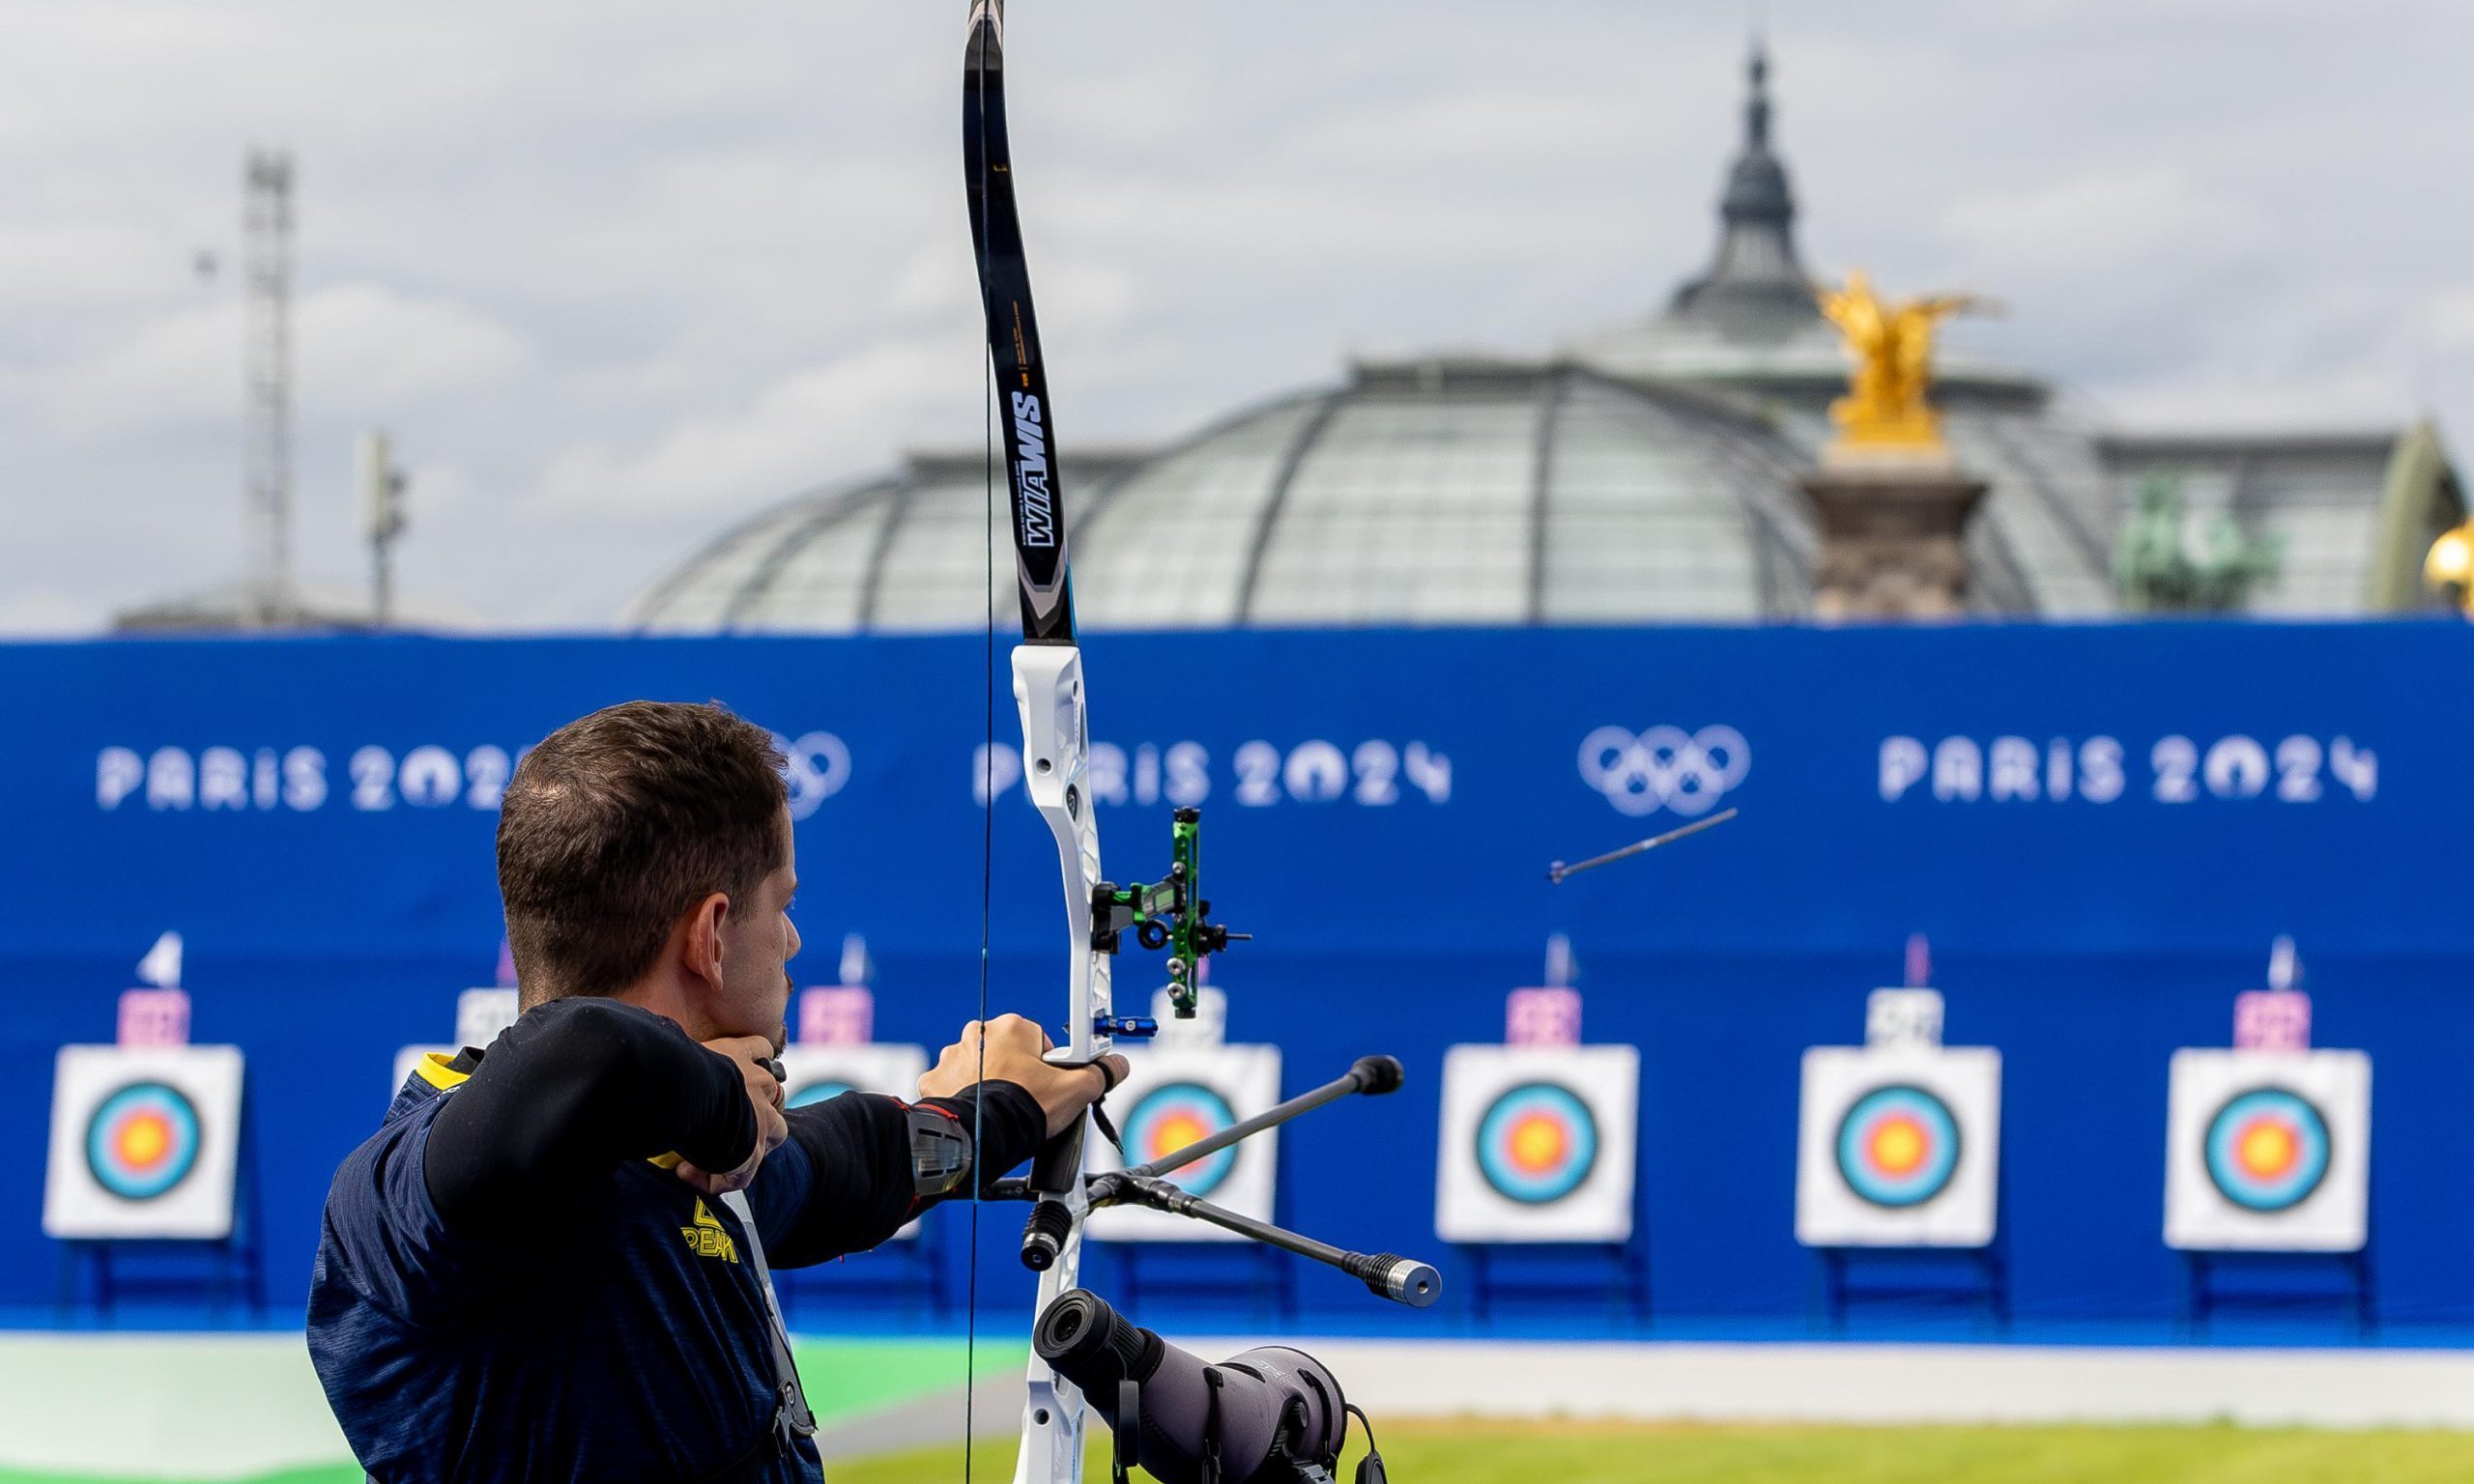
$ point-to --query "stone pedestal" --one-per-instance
(1892, 537)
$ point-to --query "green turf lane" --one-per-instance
(1598, 1453)
(1590, 1453)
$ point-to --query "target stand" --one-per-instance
(1265, 1280)
(2267, 1182)
(1984, 1279)
(1898, 1187)
(1536, 1183)
(1172, 1096)
(103, 1270)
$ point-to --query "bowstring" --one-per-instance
(987, 774)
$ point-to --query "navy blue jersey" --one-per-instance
(621, 1335)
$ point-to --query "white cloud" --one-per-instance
(2132, 225)
(2449, 319)
(828, 421)
(368, 351)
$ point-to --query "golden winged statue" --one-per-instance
(1886, 409)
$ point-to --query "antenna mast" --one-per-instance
(267, 592)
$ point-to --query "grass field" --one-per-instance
(1585, 1453)
(1592, 1453)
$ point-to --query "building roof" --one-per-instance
(2342, 507)
(1647, 473)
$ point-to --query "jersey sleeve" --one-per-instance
(570, 1091)
(843, 1181)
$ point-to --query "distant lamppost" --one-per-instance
(382, 506)
(2450, 565)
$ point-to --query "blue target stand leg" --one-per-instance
(212, 1269)
(2355, 1291)
(1986, 1287)
(1623, 1266)
(1622, 1276)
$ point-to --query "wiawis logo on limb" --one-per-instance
(1035, 509)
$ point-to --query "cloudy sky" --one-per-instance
(616, 275)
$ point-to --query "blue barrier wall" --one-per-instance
(2100, 828)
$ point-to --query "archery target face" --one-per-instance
(145, 1141)
(1172, 1096)
(2268, 1151)
(1173, 1115)
(1899, 1146)
(1538, 1144)
(814, 1074)
(142, 1141)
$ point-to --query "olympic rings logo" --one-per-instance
(816, 765)
(1665, 767)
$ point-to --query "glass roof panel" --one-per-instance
(818, 574)
(699, 598)
(1412, 507)
(1167, 548)
(934, 573)
(1641, 520)
(2038, 490)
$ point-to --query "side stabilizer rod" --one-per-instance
(1372, 1076)
(1386, 1274)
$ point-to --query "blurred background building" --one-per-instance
(1651, 472)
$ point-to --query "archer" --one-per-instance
(551, 1261)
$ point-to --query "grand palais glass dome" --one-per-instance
(1646, 474)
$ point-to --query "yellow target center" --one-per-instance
(144, 1140)
(1898, 1146)
(2266, 1148)
(1539, 1144)
(1175, 1132)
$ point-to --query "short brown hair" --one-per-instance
(617, 824)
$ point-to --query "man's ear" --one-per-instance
(704, 945)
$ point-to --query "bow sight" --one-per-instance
(1170, 915)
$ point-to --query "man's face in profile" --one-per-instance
(757, 943)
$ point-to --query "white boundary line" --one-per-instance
(1661, 1381)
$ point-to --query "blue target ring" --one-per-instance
(1171, 1116)
(2267, 1150)
(1898, 1146)
(1537, 1143)
(821, 1090)
(142, 1140)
